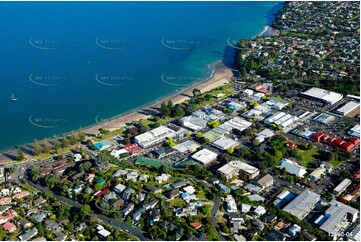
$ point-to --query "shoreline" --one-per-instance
(220, 76)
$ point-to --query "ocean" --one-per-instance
(71, 64)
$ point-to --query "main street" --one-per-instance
(77, 206)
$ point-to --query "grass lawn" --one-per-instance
(48, 155)
(336, 163)
(176, 203)
(307, 156)
(110, 134)
(201, 194)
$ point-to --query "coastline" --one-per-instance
(220, 76)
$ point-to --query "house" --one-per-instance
(151, 203)
(258, 224)
(179, 184)
(265, 181)
(167, 226)
(50, 224)
(128, 208)
(172, 194)
(236, 222)
(41, 216)
(275, 235)
(245, 208)
(294, 230)
(109, 196)
(77, 176)
(5, 200)
(118, 203)
(102, 232)
(28, 234)
(196, 225)
(189, 189)
(317, 174)
(162, 178)
(59, 236)
(185, 212)
(269, 219)
(133, 175)
(259, 211)
(308, 236)
(128, 193)
(38, 202)
(9, 227)
(99, 194)
(119, 188)
(140, 196)
(231, 204)
(153, 189)
(155, 215)
(143, 178)
(177, 235)
(81, 226)
(137, 214)
(24, 223)
(21, 195)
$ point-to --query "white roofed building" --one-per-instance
(292, 167)
(303, 204)
(205, 156)
(348, 108)
(234, 168)
(154, 137)
(225, 143)
(322, 95)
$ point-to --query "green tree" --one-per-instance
(36, 147)
(164, 110)
(85, 210)
(73, 138)
(81, 135)
(20, 155)
(64, 141)
(56, 143)
(46, 146)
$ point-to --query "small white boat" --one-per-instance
(13, 99)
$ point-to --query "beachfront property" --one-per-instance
(322, 95)
(154, 137)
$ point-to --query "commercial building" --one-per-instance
(205, 156)
(342, 187)
(322, 95)
(337, 218)
(154, 137)
(303, 204)
(348, 108)
(355, 131)
(264, 134)
(224, 143)
(281, 119)
(292, 167)
(324, 118)
(235, 168)
(187, 146)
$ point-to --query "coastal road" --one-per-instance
(214, 212)
(77, 206)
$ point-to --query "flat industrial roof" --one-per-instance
(302, 203)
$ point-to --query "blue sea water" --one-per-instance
(70, 62)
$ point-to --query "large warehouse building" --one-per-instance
(322, 95)
(337, 218)
(303, 204)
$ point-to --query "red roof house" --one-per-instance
(9, 227)
(99, 194)
(356, 190)
(331, 140)
(347, 147)
(317, 136)
(290, 145)
(196, 225)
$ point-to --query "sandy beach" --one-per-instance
(221, 76)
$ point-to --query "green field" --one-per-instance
(336, 163)
(307, 156)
